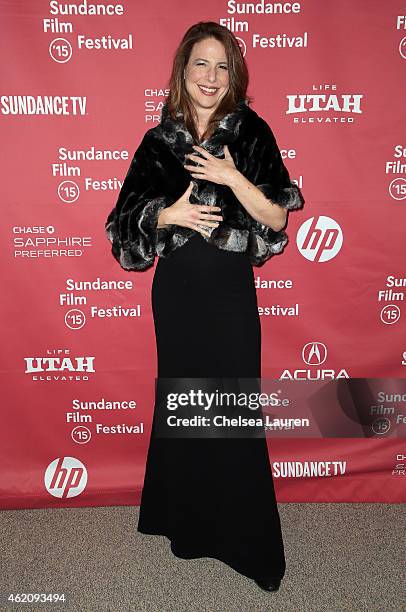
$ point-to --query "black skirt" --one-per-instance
(212, 496)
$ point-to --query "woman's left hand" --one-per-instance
(220, 171)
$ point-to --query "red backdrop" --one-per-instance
(78, 91)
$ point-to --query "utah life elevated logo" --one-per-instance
(324, 105)
(59, 365)
(314, 354)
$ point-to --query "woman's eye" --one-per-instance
(202, 64)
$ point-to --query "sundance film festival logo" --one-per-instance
(65, 477)
(61, 49)
(319, 239)
(314, 354)
(401, 25)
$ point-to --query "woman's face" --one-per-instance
(207, 67)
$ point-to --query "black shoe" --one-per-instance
(269, 585)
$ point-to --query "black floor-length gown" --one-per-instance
(212, 497)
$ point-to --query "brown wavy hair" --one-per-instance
(178, 99)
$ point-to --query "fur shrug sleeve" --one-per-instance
(131, 225)
(273, 180)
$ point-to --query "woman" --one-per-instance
(210, 492)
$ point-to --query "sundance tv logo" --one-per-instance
(65, 477)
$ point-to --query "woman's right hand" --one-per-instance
(183, 213)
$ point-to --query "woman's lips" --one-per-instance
(207, 93)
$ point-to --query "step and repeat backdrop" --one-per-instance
(81, 83)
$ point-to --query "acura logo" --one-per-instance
(314, 353)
